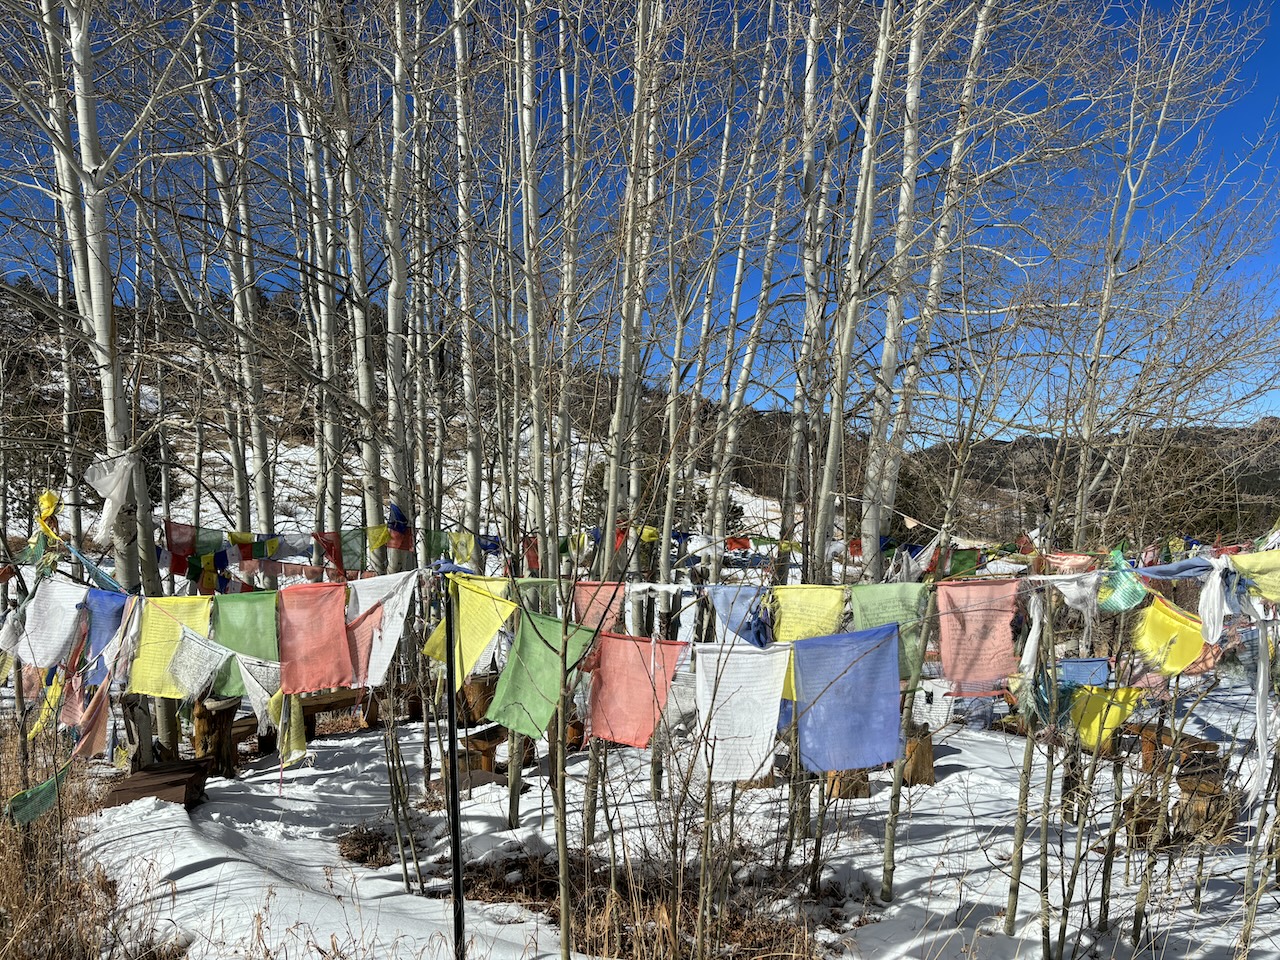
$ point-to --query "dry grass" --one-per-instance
(640, 917)
(366, 846)
(55, 904)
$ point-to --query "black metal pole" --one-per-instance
(455, 816)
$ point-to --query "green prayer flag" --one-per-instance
(964, 563)
(437, 544)
(244, 623)
(208, 540)
(355, 555)
(1119, 589)
(30, 805)
(529, 687)
(877, 604)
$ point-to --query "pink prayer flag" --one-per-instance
(314, 653)
(975, 629)
(93, 724)
(1070, 563)
(360, 633)
(73, 701)
(630, 685)
(180, 538)
(598, 604)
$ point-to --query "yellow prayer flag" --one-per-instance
(286, 714)
(1263, 569)
(48, 707)
(479, 615)
(238, 537)
(378, 536)
(1167, 637)
(162, 621)
(801, 611)
(462, 547)
(649, 534)
(49, 503)
(807, 610)
(1098, 712)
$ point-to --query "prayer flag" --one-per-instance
(361, 633)
(394, 592)
(105, 611)
(740, 613)
(975, 629)
(30, 805)
(1098, 713)
(162, 621)
(479, 615)
(739, 695)
(847, 699)
(629, 687)
(598, 604)
(806, 610)
(1120, 588)
(54, 616)
(314, 654)
(1167, 637)
(244, 623)
(529, 687)
(879, 604)
(1263, 569)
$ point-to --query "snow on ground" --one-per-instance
(255, 871)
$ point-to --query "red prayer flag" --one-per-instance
(314, 652)
(629, 687)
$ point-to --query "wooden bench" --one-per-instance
(181, 781)
(1154, 737)
(217, 733)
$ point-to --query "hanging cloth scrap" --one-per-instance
(29, 805)
(1263, 569)
(394, 592)
(1120, 588)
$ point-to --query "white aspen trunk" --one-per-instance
(245, 298)
(812, 254)
(885, 452)
(639, 175)
(397, 247)
(465, 254)
(321, 269)
(536, 328)
(570, 310)
(351, 191)
(895, 302)
(95, 290)
(727, 420)
(856, 269)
